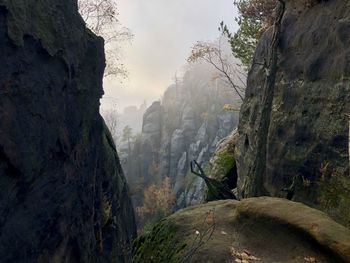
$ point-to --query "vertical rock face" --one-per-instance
(309, 132)
(63, 196)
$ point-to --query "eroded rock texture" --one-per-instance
(63, 196)
(309, 130)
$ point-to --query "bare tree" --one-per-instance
(101, 17)
(203, 235)
(228, 70)
(111, 118)
(128, 137)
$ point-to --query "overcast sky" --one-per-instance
(164, 31)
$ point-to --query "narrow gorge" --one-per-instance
(213, 176)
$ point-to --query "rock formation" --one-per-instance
(63, 196)
(185, 126)
(308, 133)
(261, 229)
(222, 165)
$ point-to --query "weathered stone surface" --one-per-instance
(63, 196)
(271, 229)
(222, 163)
(152, 118)
(309, 131)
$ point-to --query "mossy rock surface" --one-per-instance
(269, 229)
(158, 245)
(224, 158)
(222, 167)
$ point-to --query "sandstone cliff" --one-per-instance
(308, 134)
(63, 196)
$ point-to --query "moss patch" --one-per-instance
(158, 245)
(226, 161)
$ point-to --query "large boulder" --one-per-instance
(308, 135)
(261, 229)
(63, 196)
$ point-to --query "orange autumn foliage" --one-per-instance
(157, 199)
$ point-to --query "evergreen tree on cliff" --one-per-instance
(255, 17)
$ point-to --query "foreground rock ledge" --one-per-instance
(269, 229)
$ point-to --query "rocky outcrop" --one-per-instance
(307, 139)
(63, 196)
(222, 165)
(186, 125)
(252, 230)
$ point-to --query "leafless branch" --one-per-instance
(101, 17)
(212, 54)
(194, 164)
(202, 237)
